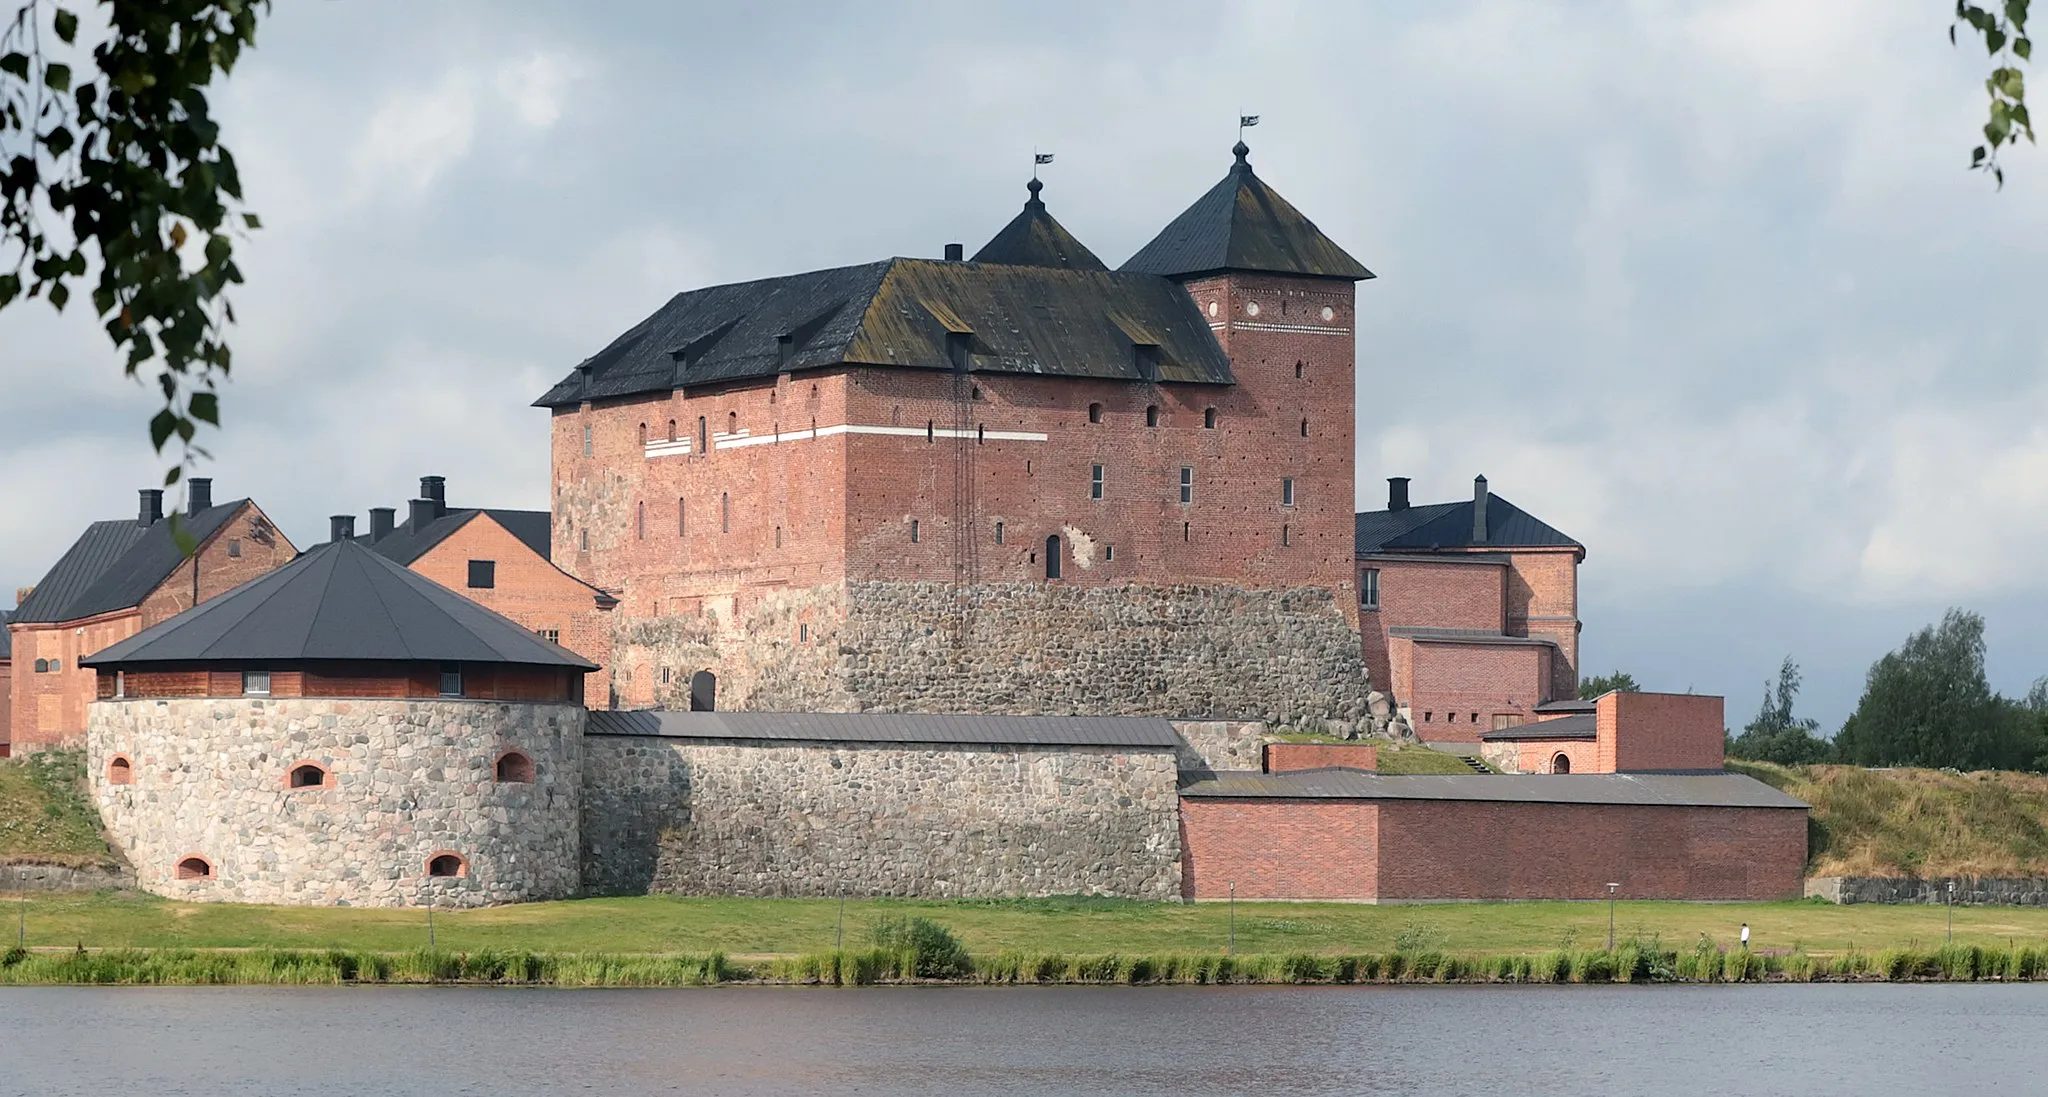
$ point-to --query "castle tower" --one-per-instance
(1279, 296)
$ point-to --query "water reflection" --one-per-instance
(1653, 1041)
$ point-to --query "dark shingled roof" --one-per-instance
(877, 727)
(1583, 725)
(338, 601)
(1467, 636)
(1034, 239)
(1244, 225)
(910, 314)
(405, 544)
(6, 640)
(1449, 526)
(1654, 789)
(1569, 705)
(115, 565)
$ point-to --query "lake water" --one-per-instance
(968, 1042)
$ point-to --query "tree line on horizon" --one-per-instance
(1927, 704)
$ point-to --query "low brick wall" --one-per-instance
(17, 878)
(1283, 757)
(2014, 891)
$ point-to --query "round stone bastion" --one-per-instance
(334, 802)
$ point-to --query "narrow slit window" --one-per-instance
(682, 523)
(724, 512)
(930, 430)
(671, 430)
(999, 533)
(1284, 535)
(1186, 532)
(1304, 428)
(643, 435)
(914, 530)
(703, 436)
(640, 521)
(586, 441)
(1052, 556)
(1151, 416)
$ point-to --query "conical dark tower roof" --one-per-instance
(339, 601)
(1244, 225)
(1034, 239)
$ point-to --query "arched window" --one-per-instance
(42, 666)
(643, 435)
(1052, 556)
(516, 767)
(120, 771)
(447, 865)
(1209, 418)
(671, 430)
(194, 867)
(703, 438)
(1560, 763)
(1095, 413)
(703, 692)
(1297, 370)
(1151, 416)
(308, 775)
(732, 423)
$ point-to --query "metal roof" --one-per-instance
(1653, 789)
(1567, 705)
(1584, 725)
(115, 565)
(879, 727)
(6, 638)
(990, 318)
(1242, 224)
(1449, 526)
(338, 601)
(405, 544)
(1034, 239)
(1467, 636)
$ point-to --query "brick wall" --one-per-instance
(1543, 600)
(1282, 757)
(1446, 593)
(529, 590)
(1639, 731)
(6, 704)
(1453, 691)
(49, 708)
(1279, 849)
(245, 547)
(1460, 849)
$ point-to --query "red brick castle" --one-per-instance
(1018, 483)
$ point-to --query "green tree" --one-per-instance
(1930, 704)
(2003, 27)
(1619, 681)
(1776, 735)
(147, 200)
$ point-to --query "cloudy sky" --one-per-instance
(1703, 285)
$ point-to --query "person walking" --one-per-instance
(1745, 936)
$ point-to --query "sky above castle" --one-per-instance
(1704, 285)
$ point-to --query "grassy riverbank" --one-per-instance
(45, 816)
(1631, 963)
(1066, 926)
(1918, 822)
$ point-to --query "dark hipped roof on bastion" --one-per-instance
(1433, 526)
(1731, 790)
(879, 727)
(339, 601)
(1034, 301)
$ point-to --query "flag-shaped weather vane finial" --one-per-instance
(1038, 158)
(1242, 150)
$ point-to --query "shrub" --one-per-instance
(932, 950)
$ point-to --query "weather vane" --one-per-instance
(1245, 122)
(1038, 158)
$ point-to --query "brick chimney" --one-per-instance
(1479, 510)
(381, 521)
(341, 527)
(1397, 493)
(956, 253)
(198, 495)
(21, 594)
(152, 510)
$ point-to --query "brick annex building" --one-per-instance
(1018, 483)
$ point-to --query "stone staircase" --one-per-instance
(1476, 765)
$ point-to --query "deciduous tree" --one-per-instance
(1619, 681)
(1776, 735)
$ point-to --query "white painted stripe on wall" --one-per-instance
(743, 439)
(1297, 329)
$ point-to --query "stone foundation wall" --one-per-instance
(408, 780)
(704, 817)
(1213, 745)
(2020, 891)
(18, 878)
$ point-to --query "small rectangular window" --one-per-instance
(1287, 491)
(120, 683)
(483, 574)
(1187, 484)
(551, 635)
(235, 549)
(451, 679)
(1369, 589)
(999, 533)
(1108, 553)
(1095, 482)
(255, 683)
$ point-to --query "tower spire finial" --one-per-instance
(1243, 151)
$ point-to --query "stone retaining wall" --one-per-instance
(723, 817)
(2019, 891)
(17, 878)
(408, 780)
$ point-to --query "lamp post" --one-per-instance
(21, 924)
(1951, 888)
(1231, 949)
(839, 928)
(1611, 888)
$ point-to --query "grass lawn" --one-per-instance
(1422, 760)
(44, 814)
(745, 927)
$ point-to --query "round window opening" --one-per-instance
(1329, 314)
(1251, 308)
(447, 864)
(1212, 308)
